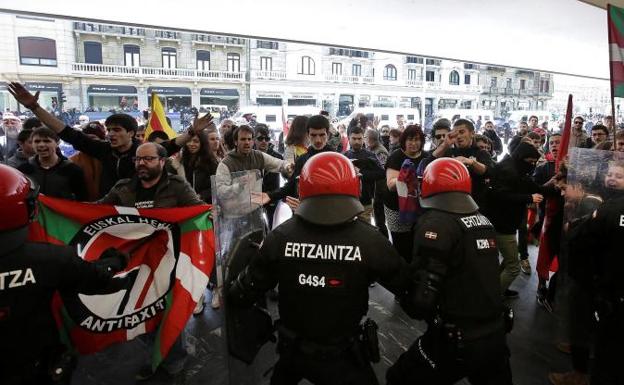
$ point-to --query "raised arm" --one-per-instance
(30, 101)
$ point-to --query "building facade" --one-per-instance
(101, 67)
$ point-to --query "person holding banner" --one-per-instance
(30, 273)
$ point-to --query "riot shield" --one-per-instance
(240, 227)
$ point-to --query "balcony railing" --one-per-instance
(434, 85)
(108, 29)
(349, 79)
(273, 75)
(167, 35)
(154, 72)
(214, 39)
(414, 82)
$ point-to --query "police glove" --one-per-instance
(113, 260)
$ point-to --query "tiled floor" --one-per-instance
(531, 344)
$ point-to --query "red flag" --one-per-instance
(172, 255)
(565, 135)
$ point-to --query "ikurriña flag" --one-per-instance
(616, 49)
(171, 256)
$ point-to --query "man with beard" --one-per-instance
(490, 132)
(366, 165)
(153, 187)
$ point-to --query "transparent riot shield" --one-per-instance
(240, 227)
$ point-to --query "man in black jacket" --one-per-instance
(367, 165)
(459, 144)
(512, 190)
(56, 176)
(318, 131)
(117, 153)
(490, 132)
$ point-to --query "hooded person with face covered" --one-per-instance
(512, 190)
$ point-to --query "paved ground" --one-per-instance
(531, 344)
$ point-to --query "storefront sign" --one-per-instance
(217, 92)
(111, 89)
(170, 91)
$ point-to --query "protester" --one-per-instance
(411, 147)
(25, 149)
(297, 139)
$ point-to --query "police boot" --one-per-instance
(568, 378)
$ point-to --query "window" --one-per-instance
(493, 81)
(356, 70)
(271, 118)
(508, 85)
(267, 44)
(433, 62)
(233, 62)
(93, 52)
(169, 57)
(131, 55)
(544, 86)
(390, 72)
(349, 52)
(336, 68)
(430, 76)
(469, 66)
(385, 117)
(306, 66)
(37, 51)
(454, 78)
(522, 84)
(414, 60)
(266, 63)
(412, 74)
(203, 60)
(466, 78)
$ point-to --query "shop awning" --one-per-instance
(220, 93)
(111, 89)
(169, 91)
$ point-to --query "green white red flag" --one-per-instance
(171, 257)
(616, 49)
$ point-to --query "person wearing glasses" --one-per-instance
(270, 180)
(153, 187)
(578, 137)
(441, 127)
(599, 134)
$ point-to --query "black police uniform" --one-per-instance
(601, 237)
(30, 273)
(457, 291)
(323, 274)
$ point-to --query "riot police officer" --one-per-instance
(30, 273)
(456, 288)
(600, 237)
(323, 260)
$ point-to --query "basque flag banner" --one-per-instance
(616, 49)
(171, 256)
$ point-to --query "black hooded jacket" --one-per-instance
(512, 189)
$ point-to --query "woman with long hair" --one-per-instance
(297, 139)
(411, 144)
(197, 163)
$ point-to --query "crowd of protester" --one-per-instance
(515, 182)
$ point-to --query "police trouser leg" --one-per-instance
(380, 216)
(484, 362)
(341, 370)
(609, 354)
